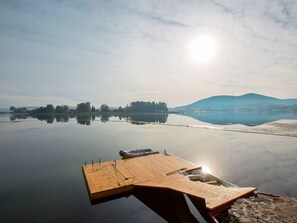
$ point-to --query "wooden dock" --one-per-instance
(160, 171)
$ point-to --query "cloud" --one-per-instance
(158, 19)
(114, 52)
(278, 11)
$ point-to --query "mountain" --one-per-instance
(244, 102)
(247, 118)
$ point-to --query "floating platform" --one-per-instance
(159, 171)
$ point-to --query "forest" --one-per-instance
(87, 108)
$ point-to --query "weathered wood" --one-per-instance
(154, 171)
(215, 196)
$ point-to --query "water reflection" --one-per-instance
(248, 118)
(222, 117)
(86, 119)
(104, 117)
(50, 118)
(206, 169)
(170, 205)
(20, 116)
(139, 119)
(35, 161)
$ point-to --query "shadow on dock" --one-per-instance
(170, 205)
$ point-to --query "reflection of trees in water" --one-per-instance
(62, 118)
(50, 118)
(18, 116)
(87, 119)
(104, 117)
(140, 119)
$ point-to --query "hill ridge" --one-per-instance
(245, 101)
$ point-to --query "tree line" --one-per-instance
(146, 107)
(87, 108)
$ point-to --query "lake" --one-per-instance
(42, 181)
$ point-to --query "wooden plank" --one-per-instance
(215, 196)
(103, 180)
(156, 171)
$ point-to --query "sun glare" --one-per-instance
(205, 169)
(202, 49)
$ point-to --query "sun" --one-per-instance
(202, 49)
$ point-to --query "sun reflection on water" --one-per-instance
(205, 169)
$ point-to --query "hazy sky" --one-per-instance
(114, 52)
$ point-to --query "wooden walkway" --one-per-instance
(155, 171)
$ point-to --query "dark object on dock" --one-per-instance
(137, 153)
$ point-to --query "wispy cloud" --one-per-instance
(158, 18)
(278, 11)
(113, 52)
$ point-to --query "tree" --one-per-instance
(84, 107)
(147, 107)
(50, 108)
(12, 109)
(62, 109)
(18, 110)
(22, 110)
(65, 108)
(104, 108)
(59, 109)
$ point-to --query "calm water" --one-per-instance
(40, 164)
(247, 118)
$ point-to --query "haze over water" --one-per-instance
(40, 164)
(117, 52)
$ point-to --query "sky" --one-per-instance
(115, 52)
